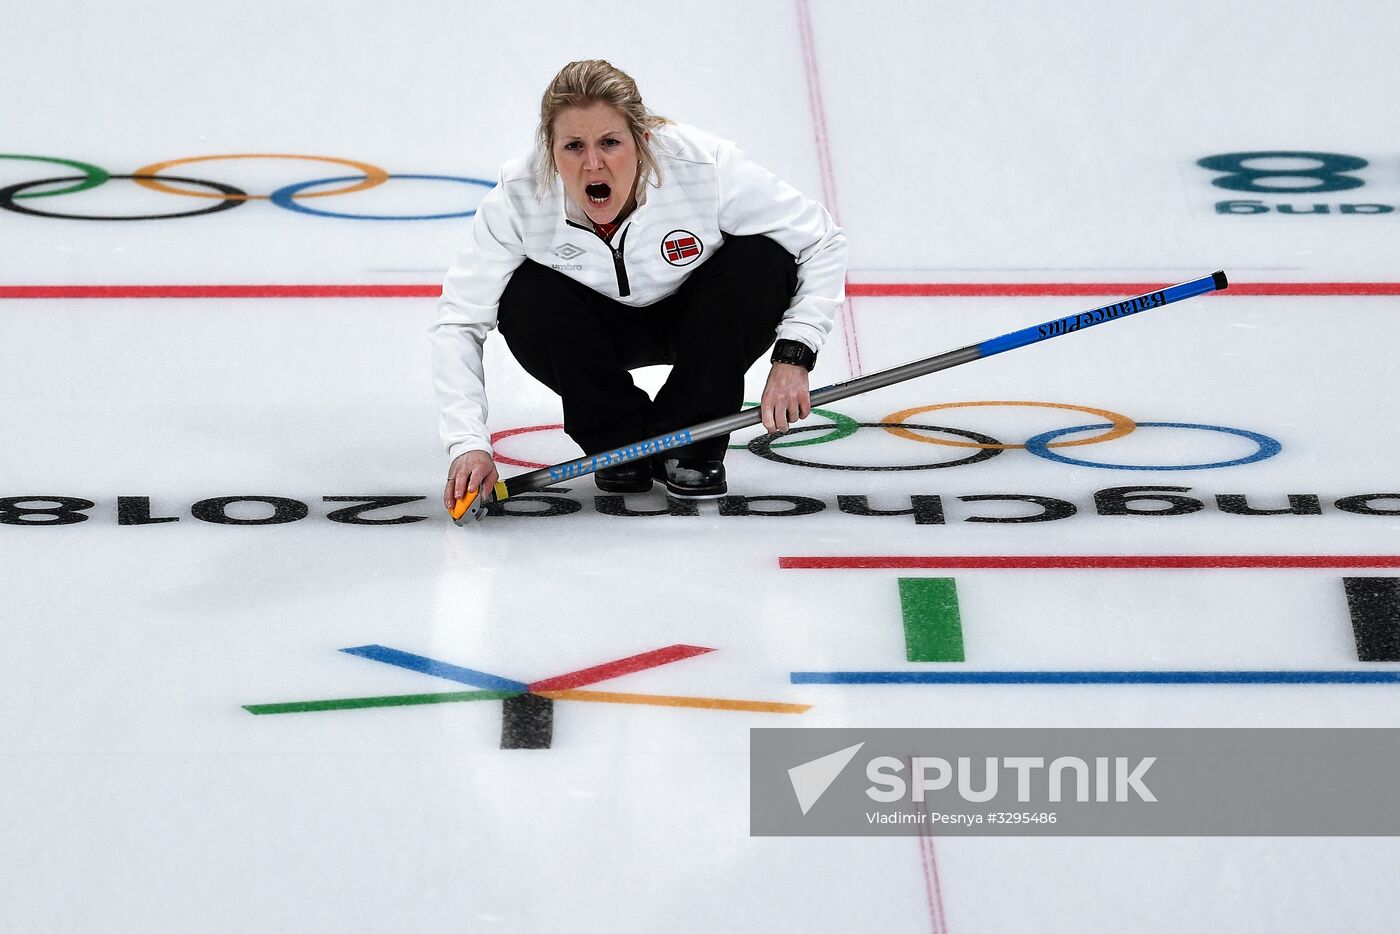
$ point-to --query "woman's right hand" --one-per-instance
(470, 472)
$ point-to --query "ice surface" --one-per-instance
(1022, 144)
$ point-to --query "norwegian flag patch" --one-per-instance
(681, 247)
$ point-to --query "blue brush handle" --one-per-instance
(1087, 319)
(538, 479)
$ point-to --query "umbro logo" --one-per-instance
(568, 251)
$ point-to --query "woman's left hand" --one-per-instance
(785, 398)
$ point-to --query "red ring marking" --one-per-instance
(509, 432)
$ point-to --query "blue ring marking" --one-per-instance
(285, 198)
(1268, 447)
(1096, 677)
(431, 666)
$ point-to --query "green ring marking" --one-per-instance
(395, 700)
(843, 426)
(95, 176)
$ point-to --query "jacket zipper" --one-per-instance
(623, 288)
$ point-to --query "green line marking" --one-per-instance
(932, 626)
(396, 700)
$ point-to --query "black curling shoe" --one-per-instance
(693, 478)
(632, 477)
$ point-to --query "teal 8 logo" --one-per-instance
(1320, 172)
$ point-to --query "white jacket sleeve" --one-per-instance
(755, 201)
(471, 295)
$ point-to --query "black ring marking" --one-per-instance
(762, 446)
(7, 198)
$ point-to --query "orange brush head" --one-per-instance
(460, 507)
(473, 505)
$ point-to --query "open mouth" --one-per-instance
(598, 192)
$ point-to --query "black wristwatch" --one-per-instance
(794, 352)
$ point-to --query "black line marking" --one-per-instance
(527, 722)
(1374, 603)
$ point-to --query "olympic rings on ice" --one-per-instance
(762, 446)
(233, 197)
(373, 174)
(283, 198)
(510, 433)
(92, 175)
(842, 426)
(986, 447)
(1121, 424)
(290, 197)
(1267, 447)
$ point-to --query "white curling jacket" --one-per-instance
(709, 190)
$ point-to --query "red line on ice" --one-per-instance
(818, 108)
(867, 289)
(220, 291)
(622, 666)
(933, 889)
(1091, 562)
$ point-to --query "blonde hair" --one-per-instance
(583, 84)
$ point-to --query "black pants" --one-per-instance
(581, 344)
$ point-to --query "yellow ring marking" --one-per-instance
(667, 700)
(1122, 424)
(373, 175)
